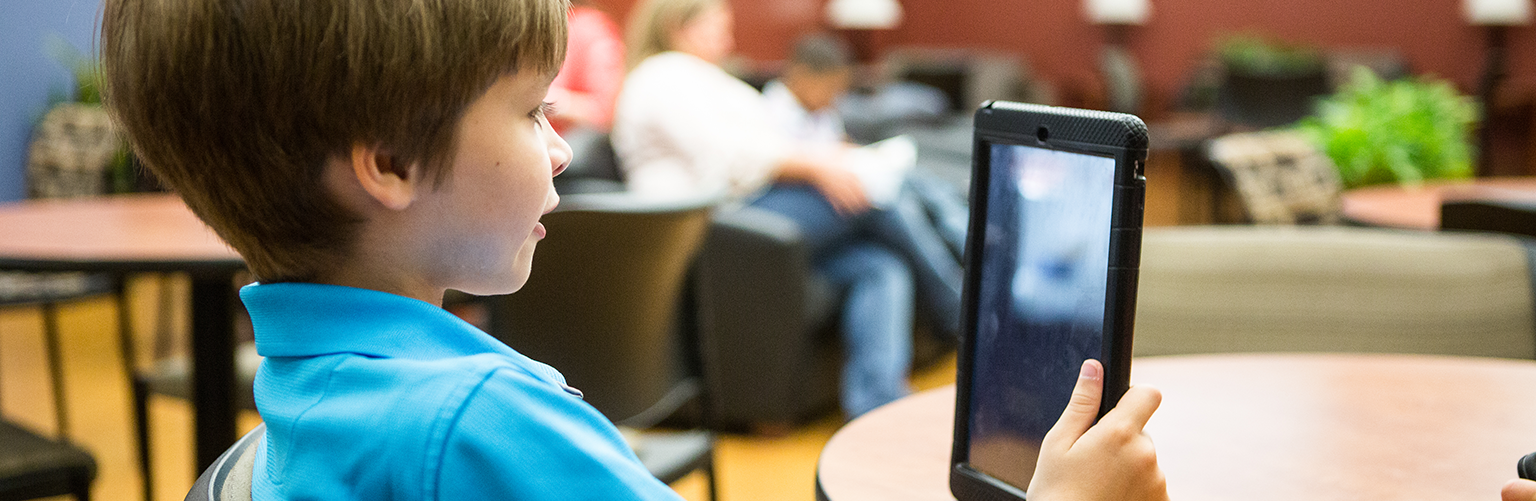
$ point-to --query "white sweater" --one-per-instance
(683, 128)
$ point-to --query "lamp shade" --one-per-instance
(1118, 11)
(864, 14)
(1498, 12)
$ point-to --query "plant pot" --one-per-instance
(71, 152)
(1266, 100)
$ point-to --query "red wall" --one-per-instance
(1061, 46)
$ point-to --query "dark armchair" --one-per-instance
(600, 306)
(765, 322)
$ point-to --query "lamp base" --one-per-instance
(1487, 92)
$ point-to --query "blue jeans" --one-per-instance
(926, 226)
(877, 324)
(946, 205)
(906, 227)
(878, 295)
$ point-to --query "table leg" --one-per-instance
(213, 366)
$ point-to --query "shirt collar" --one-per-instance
(303, 320)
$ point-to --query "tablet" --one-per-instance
(1051, 268)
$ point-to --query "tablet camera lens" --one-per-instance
(1042, 134)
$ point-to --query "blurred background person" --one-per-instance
(684, 127)
(926, 219)
(584, 92)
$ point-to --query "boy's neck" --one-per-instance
(364, 277)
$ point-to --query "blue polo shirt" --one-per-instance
(372, 396)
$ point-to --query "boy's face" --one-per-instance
(487, 212)
(817, 90)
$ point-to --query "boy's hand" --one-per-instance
(1520, 490)
(840, 186)
(843, 190)
(1111, 460)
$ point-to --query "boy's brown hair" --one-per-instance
(239, 104)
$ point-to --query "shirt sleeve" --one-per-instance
(519, 437)
(605, 69)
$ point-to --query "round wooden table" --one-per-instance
(1258, 427)
(1418, 207)
(144, 233)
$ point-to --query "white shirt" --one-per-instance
(820, 129)
(683, 128)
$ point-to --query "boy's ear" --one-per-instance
(393, 185)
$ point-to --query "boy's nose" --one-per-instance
(560, 154)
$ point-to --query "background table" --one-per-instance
(1418, 207)
(1258, 427)
(144, 233)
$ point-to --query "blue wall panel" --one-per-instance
(28, 72)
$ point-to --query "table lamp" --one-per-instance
(1118, 12)
(1497, 16)
(857, 18)
(1122, 79)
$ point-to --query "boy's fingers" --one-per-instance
(1081, 409)
(1135, 407)
(1519, 490)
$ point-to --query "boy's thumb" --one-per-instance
(1081, 410)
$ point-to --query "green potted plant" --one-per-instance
(1403, 131)
(1255, 55)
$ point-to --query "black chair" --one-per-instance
(602, 306)
(70, 156)
(31, 465)
(229, 477)
(171, 376)
(1504, 216)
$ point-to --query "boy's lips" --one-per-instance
(538, 227)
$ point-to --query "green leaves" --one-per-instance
(1253, 54)
(1404, 131)
(87, 72)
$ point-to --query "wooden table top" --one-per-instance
(1259, 427)
(1418, 207)
(139, 232)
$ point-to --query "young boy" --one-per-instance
(364, 156)
(800, 102)
(926, 220)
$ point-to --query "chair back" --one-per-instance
(601, 304)
(1504, 216)
(1280, 177)
(229, 477)
(1344, 289)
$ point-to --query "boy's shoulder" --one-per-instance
(329, 342)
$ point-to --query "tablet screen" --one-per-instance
(1041, 298)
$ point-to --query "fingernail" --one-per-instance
(1090, 371)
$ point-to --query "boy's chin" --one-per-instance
(495, 288)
